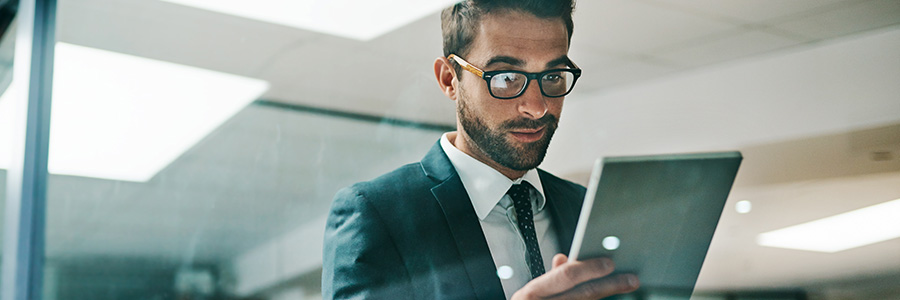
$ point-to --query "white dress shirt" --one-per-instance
(487, 189)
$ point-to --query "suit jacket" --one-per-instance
(413, 234)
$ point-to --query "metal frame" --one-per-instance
(26, 202)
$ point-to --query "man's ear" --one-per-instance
(446, 77)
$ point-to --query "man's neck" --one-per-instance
(462, 142)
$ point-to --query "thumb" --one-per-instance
(559, 259)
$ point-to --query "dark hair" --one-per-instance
(460, 22)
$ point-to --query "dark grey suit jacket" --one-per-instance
(413, 234)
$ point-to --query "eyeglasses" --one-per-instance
(508, 84)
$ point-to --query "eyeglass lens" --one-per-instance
(511, 84)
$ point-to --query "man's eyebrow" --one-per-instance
(504, 60)
(562, 60)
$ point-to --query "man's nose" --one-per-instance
(532, 103)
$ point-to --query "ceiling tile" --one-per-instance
(846, 20)
(753, 11)
(174, 33)
(627, 26)
(353, 80)
(742, 44)
(417, 39)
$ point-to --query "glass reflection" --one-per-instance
(238, 212)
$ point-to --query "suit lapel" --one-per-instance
(464, 225)
(564, 214)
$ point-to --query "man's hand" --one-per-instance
(578, 280)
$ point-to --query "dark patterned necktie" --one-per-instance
(521, 197)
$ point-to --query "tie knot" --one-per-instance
(521, 195)
(522, 189)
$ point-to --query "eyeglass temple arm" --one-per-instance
(572, 63)
(466, 65)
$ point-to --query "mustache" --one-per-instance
(525, 123)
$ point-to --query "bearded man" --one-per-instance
(476, 219)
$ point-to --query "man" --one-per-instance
(475, 219)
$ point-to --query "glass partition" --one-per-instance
(233, 216)
(196, 148)
(193, 155)
(7, 113)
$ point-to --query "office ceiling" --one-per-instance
(269, 170)
(617, 42)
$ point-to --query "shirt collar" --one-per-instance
(485, 185)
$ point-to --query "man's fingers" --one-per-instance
(568, 275)
(601, 288)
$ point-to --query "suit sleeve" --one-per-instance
(360, 259)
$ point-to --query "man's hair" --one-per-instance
(459, 23)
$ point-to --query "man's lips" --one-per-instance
(528, 135)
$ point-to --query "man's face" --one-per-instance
(513, 133)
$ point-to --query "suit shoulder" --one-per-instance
(411, 172)
(404, 180)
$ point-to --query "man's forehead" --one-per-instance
(519, 38)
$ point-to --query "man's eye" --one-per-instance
(552, 77)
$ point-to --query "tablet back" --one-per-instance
(662, 211)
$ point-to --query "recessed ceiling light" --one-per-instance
(122, 117)
(848, 230)
(356, 19)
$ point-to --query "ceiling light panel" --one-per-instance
(123, 117)
(355, 19)
(841, 232)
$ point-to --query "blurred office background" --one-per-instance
(195, 147)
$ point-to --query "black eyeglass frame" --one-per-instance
(488, 75)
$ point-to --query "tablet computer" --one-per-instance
(655, 216)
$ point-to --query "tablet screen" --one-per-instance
(655, 215)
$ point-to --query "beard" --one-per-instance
(495, 143)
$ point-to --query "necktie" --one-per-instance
(521, 196)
